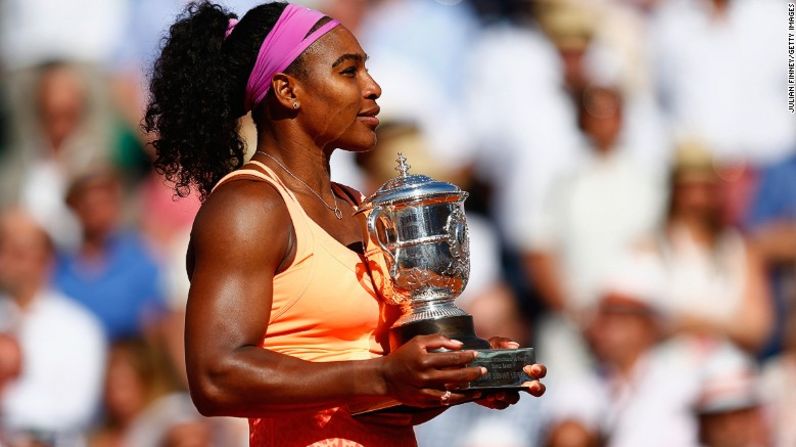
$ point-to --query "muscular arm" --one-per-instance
(239, 239)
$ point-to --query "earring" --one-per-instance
(295, 106)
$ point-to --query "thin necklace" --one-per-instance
(336, 210)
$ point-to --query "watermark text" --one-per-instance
(791, 57)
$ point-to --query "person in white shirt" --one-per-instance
(648, 384)
(730, 406)
(520, 121)
(716, 281)
(55, 395)
(35, 171)
(592, 215)
(779, 387)
(721, 77)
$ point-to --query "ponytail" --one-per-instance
(196, 94)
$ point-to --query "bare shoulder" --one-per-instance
(242, 219)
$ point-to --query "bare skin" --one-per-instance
(242, 238)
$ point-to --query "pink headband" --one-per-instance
(283, 45)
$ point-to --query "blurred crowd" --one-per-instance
(632, 215)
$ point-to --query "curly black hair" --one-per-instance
(197, 90)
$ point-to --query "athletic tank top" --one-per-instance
(326, 307)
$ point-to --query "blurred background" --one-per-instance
(632, 170)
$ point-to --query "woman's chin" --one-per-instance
(364, 144)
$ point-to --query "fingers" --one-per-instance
(454, 378)
(449, 359)
(503, 343)
(436, 341)
(512, 397)
(534, 387)
(500, 400)
(535, 371)
(437, 398)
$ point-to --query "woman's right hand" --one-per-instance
(419, 378)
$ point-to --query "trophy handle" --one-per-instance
(374, 233)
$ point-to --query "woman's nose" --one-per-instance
(372, 88)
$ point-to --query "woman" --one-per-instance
(132, 382)
(282, 313)
(715, 280)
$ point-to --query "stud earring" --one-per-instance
(295, 106)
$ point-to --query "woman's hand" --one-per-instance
(417, 377)
(503, 399)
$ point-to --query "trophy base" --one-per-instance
(459, 327)
(504, 369)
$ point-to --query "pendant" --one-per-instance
(338, 214)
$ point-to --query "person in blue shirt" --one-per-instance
(112, 272)
(771, 222)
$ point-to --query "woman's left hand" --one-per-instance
(503, 399)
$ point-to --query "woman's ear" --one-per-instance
(285, 88)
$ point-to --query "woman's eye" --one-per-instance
(350, 71)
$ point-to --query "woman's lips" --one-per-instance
(369, 120)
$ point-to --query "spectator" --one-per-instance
(779, 387)
(740, 115)
(133, 380)
(729, 405)
(520, 119)
(593, 214)
(33, 33)
(145, 404)
(772, 227)
(55, 395)
(112, 273)
(172, 421)
(571, 433)
(644, 387)
(716, 281)
(602, 43)
(37, 171)
(419, 71)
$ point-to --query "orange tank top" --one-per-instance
(325, 308)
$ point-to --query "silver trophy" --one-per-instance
(420, 226)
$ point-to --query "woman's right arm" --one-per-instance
(239, 239)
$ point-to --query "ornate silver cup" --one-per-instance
(420, 226)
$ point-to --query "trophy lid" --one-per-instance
(408, 187)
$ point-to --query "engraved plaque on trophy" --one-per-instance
(420, 226)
